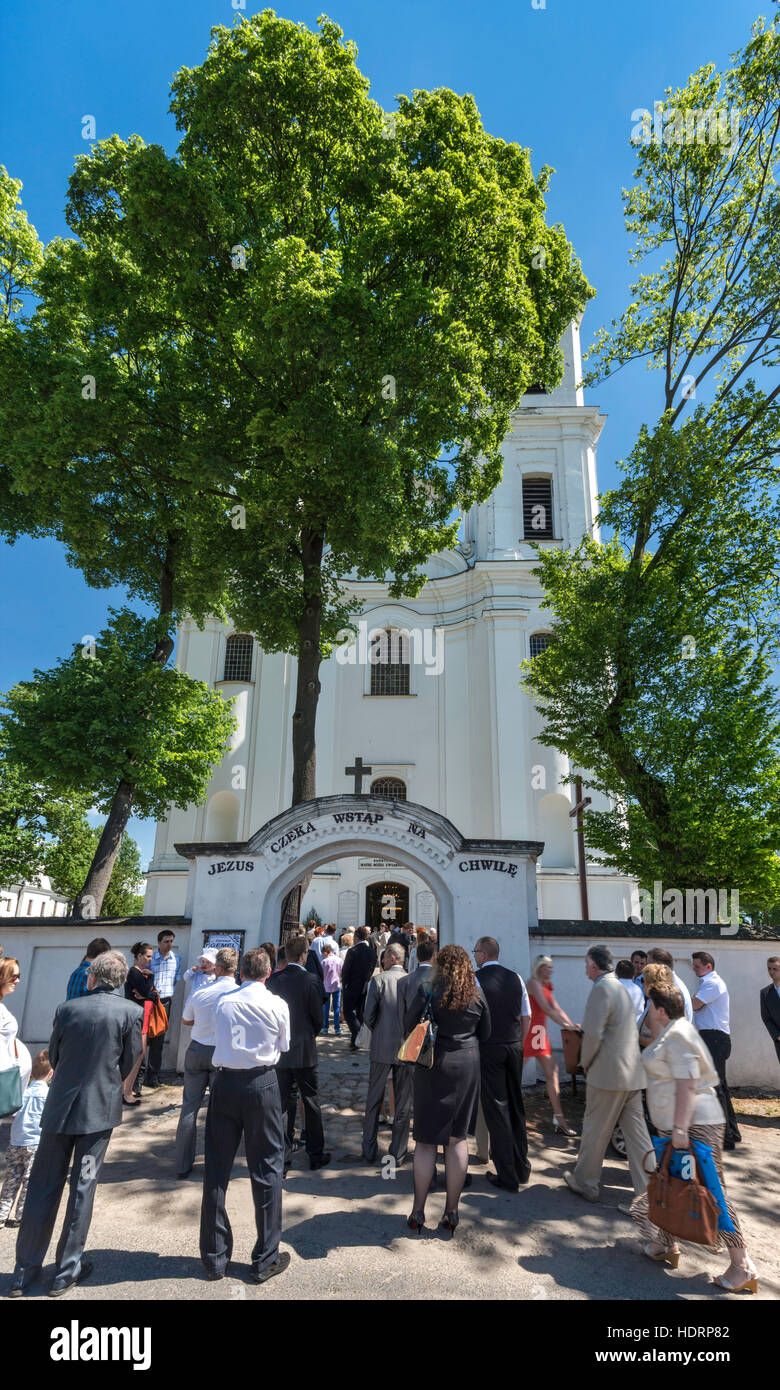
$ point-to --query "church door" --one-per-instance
(387, 905)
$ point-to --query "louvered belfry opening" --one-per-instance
(389, 658)
(537, 509)
(238, 658)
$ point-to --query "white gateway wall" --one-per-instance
(741, 963)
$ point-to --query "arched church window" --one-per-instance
(238, 658)
(537, 509)
(391, 787)
(539, 642)
(389, 658)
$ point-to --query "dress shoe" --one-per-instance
(314, 1163)
(495, 1181)
(12, 1221)
(278, 1267)
(64, 1282)
(570, 1183)
(525, 1177)
(182, 1176)
(22, 1280)
(214, 1274)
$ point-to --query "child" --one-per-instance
(25, 1137)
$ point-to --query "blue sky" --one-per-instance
(561, 80)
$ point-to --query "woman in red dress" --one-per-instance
(537, 1043)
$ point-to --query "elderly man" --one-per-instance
(202, 974)
(384, 1015)
(252, 1029)
(199, 1014)
(614, 1080)
(94, 1044)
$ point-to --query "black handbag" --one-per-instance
(10, 1091)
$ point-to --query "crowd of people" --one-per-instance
(654, 1058)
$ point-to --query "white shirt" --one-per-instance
(525, 1008)
(195, 978)
(686, 994)
(9, 1027)
(201, 1007)
(637, 997)
(252, 1028)
(714, 995)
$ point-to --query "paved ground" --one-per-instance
(345, 1229)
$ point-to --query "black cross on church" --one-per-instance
(358, 772)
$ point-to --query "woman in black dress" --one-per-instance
(445, 1095)
(139, 987)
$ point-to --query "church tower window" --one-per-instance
(238, 658)
(539, 642)
(537, 509)
(394, 788)
(389, 657)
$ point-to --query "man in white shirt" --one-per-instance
(199, 1014)
(660, 957)
(624, 972)
(711, 1016)
(201, 974)
(252, 1028)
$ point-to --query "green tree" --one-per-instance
(39, 830)
(107, 717)
(377, 291)
(658, 677)
(122, 896)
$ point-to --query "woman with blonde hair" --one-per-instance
(445, 1095)
(13, 1053)
(537, 1042)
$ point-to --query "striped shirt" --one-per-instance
(77, 984)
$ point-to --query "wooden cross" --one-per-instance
(577, 811)
(358, 772)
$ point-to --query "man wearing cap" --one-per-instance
(201, 973)
(199, 1015)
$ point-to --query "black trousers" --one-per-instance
(719, 1045)
(353, 1011)
(47, 1181)
(501, 1093)
(154, 1050)
(305, 1078)
(243, 1102)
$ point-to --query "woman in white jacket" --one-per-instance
(683, 1105)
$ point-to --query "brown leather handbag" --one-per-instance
(685, 1209)
(158, 1020)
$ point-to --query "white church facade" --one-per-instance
(448, 726)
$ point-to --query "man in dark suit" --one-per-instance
(408, 987)
(94, 1045)
(359, 966)
(303, 996)
(770, 1002)
(501, 1067)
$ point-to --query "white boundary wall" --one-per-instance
(741, 963)
(47, 955)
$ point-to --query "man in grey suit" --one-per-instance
(384, 1015)
(95, 1042)
(614, 1080)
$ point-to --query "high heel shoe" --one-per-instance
(670, 1257)
(416, 1221)
(562, 1127)
(449, 1222)
(749, 1283)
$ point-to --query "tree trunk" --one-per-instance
(89, 900)
(307, 696)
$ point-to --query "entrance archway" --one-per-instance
(387, 904)
(481, 886)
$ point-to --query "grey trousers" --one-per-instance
(403, 1092)
(47, 1180)
(604, 1110)
(198, 1074)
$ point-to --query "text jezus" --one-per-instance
(226, 866)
